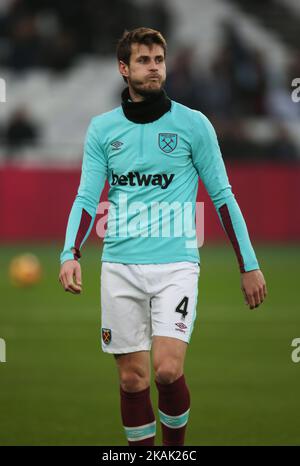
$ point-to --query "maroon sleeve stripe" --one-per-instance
(224, 212)
(76, 253)
(85, 222)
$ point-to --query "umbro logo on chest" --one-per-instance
(116, 145)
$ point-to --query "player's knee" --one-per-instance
(132, 381)
(167, 373)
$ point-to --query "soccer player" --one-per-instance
(152, 150)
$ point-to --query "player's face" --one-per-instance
(146, 72)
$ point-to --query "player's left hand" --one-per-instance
(254, 288)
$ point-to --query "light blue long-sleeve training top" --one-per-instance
(153, 171)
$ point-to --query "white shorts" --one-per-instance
(139, 301)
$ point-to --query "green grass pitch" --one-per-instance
(58, 388)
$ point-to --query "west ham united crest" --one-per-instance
(106, 335)
(167, 142)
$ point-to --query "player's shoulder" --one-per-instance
(106, 118)
(195, 117)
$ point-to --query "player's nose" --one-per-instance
(153, 65)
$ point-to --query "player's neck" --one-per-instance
(134, 96)
(146, 110)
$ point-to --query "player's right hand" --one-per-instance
(70, 276)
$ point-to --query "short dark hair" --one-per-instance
(146, 36)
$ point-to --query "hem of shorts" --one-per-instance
(126, 350)
(186, 339)
(165, 260)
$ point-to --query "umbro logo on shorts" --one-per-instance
(181, 327)
(137, 179)
(106, 335)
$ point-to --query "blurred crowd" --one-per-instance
(53, 33)
(237, 85)
(20, 131)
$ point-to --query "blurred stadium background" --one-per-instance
(235, 61)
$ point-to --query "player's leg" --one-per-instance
(173, 316)
(174, 396)
(168, 356)
(134, 370)
(126, 333)
(136, 408)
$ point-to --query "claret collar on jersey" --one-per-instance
(148, 110)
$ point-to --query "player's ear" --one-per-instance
(123, 68)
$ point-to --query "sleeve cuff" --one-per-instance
(250, 267)
(70, 255)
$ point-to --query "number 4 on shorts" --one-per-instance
(182, 306)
